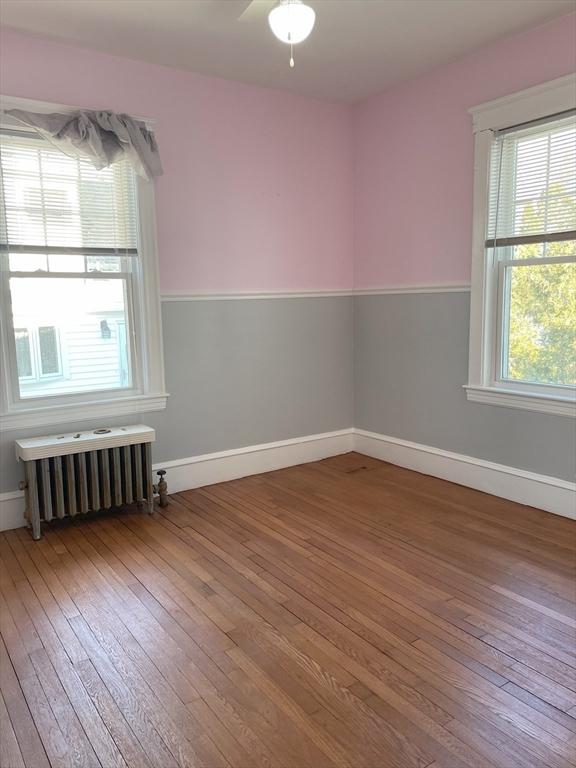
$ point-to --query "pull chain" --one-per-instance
(291, 52)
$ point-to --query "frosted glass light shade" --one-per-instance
(291, 21)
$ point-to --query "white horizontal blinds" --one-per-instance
(533, 183)
(53, 203)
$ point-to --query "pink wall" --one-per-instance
(258, 187)
(266, 191)
(414, 158)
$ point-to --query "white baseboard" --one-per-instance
(11, 510)
(549, 493)
(209, 468)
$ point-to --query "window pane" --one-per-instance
(23, 356)
(66, 263)
(539, 339)
(28, 262)
(539, 250)
(74, 311)
(49, 359)
(105, 264)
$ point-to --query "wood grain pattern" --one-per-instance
(341, 614)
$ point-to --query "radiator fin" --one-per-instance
(82, 483)
(58, 487)
(70, 485)
(137, 465)
(116, 478)
(127, 484)
(46, 489)
(93, 481)
(104, 466)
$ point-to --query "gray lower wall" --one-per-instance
(254, 371)
(411, 360)
(244, 372)
(241, 372)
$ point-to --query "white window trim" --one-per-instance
(531, 104)
(73, 408)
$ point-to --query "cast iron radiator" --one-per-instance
(73, 474)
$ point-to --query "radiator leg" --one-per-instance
(32, 502)
(150, 506)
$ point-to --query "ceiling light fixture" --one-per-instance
(291, 21)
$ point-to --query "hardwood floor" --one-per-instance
(341, 613)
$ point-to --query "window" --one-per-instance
(523, 311)
(37, 356)
(49, 352)
(80, 319)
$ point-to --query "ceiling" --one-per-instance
(358, 47)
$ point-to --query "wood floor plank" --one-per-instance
(29, 741)
(341, 614)
(10, 754)
(81, 752)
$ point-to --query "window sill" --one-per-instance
(75, 412)
(559, 406)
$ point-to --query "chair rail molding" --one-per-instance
(319, 294)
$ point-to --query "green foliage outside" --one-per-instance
(542, 321)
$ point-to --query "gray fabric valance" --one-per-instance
(102, 137)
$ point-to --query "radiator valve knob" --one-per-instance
(162, 488)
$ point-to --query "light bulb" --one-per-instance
(291, 21)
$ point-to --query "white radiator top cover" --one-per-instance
(60, 444)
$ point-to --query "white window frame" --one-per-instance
(525, 106)
(149, 393)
